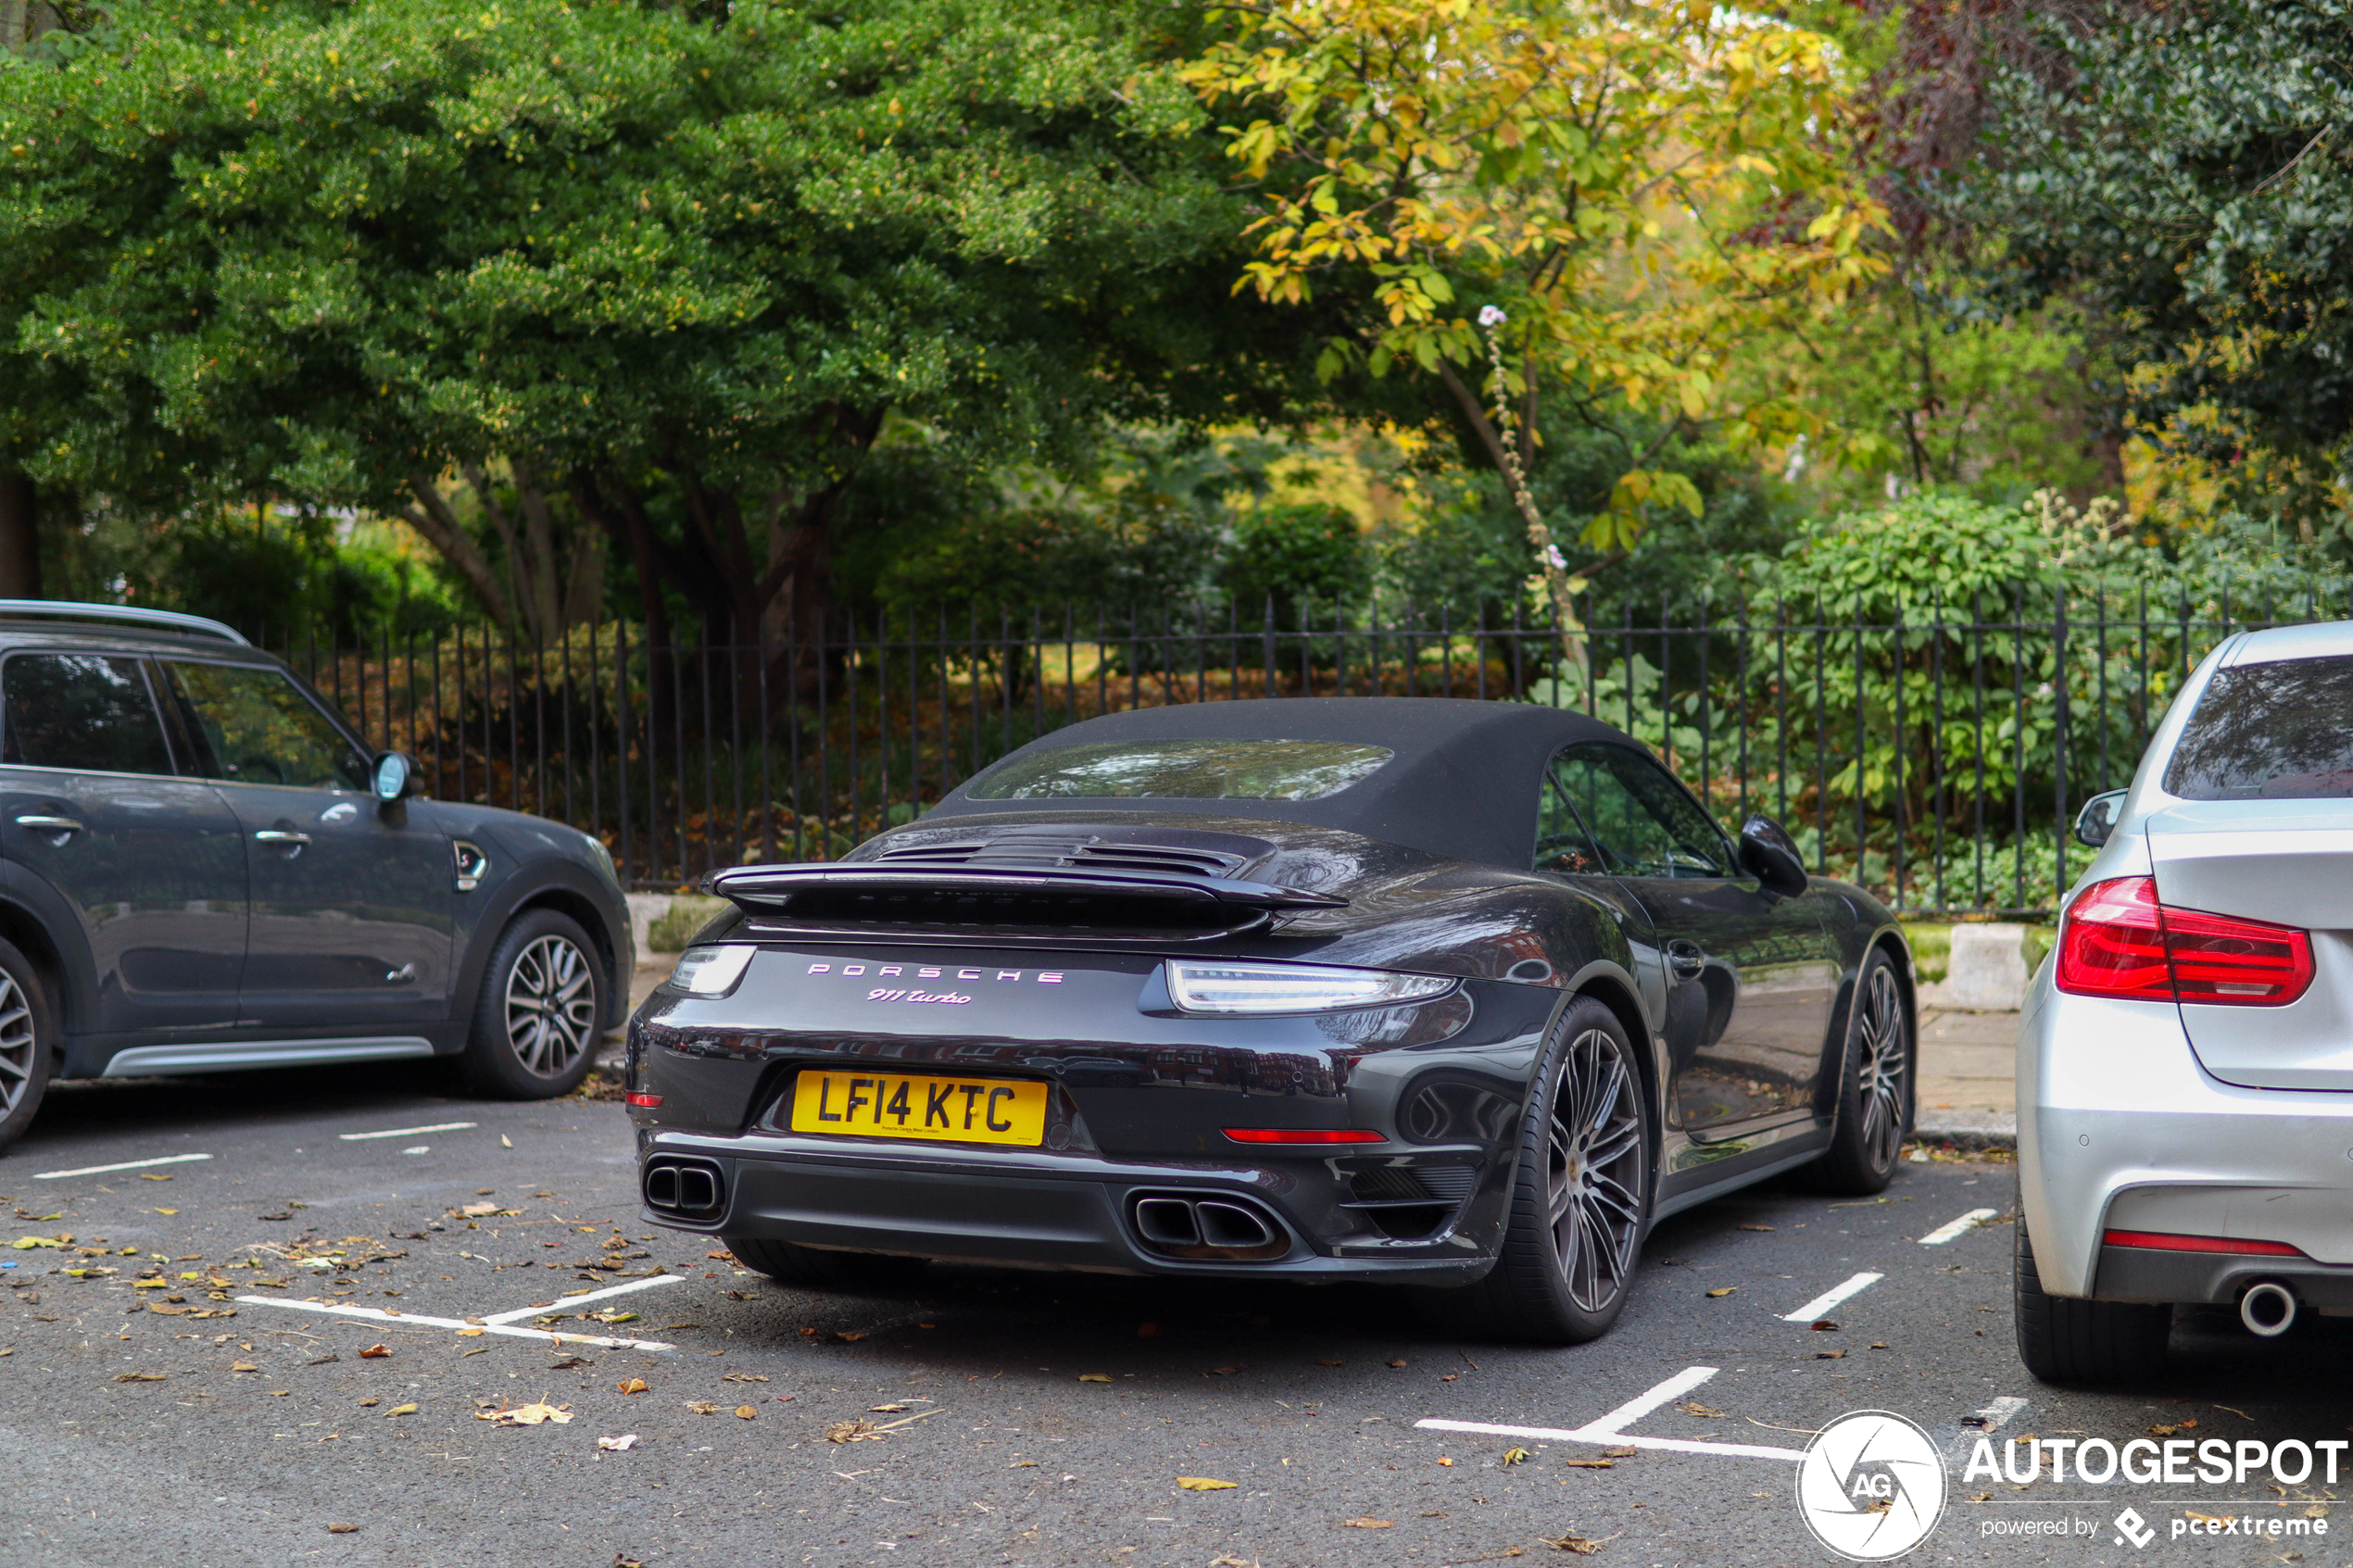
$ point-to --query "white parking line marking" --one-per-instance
(1959, 1227)
(1635, 1409)
(126, 1165)
(372, 1314)
(1604, 1430)
(2000, 1410)
(1829, 1298)
(408, 1131)
(522, 1312)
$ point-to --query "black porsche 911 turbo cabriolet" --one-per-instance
(1455, 995)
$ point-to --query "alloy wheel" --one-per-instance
(16, 1044)
(1594, 1170)
(1884, 1069)
(551, 1006)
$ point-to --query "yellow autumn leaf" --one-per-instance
(1203, 1483)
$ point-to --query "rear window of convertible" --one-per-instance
(1185, 770)
(2282, 731)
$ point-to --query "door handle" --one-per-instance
(286, 836)
(1685, 959)
(61, 826)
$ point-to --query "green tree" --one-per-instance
(656, 271)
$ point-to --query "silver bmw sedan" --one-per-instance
(2185, 1056)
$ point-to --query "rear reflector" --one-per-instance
(2160, 1242)
(647, 1102)
(1305, 1134)
(2119, 941)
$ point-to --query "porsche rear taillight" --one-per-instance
(2119, 941)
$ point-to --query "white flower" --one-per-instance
(1553, 553)
(1490, 316)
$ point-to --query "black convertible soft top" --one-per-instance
(1463, 783)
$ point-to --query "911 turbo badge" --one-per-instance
(1399, 1029)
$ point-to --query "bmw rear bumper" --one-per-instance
(2120, 1129)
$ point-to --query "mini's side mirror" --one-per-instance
(395, 777)
(2098, 818)
(1769, 853)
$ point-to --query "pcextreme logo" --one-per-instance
(1871, 1485)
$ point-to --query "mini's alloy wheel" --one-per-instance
(551, 1006)
(27, 1054)
(536, 1018)
(1594, 1150)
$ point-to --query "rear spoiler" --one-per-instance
(774, 889)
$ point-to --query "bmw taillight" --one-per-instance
(2119, 941)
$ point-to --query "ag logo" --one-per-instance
(1871, 1485)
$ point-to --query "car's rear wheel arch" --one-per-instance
(23, 930)
(583, 913)
(1613, 995)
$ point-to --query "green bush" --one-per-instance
(677, 927)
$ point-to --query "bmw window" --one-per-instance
(2278, 731)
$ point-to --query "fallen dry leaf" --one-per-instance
(402, 1410)
(1620, 1453)
(745, 1377)
(620, 1445)
(478, 1210)
(1756, 1227)
(373, 1351)
(369, 1402)
(1083, 1377)
(526, 1415)
(1203, 1483)
(745, 1412)
(342, 1529)
(1591, 1463)
(140, 1376)
(1514, 1455)
(886, 1410)
(1693, 1407)
(1396, 1360)
(1828, 1355)
(851, 1432)
(634, 1386)
(1723, 1290)
(243, 1366)
(1823, 1326)
(471, 1333)
(1577, 1544)
(1448, 1462)
(2163, 1431)
(1332, 1364)
(1366, 1523)
(850, 1336)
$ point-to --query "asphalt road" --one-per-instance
(1011, 1419)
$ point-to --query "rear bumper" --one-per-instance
(1028, 1211)
(2121, 1129)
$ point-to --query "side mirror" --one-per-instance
(2098, 818)
(395, 777)
(1769, 853)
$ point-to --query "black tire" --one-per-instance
(2067, 1341)
(541, 1011)
(1878, 1070)
(814, 1268)
(1580, 1197)
(28, 1043)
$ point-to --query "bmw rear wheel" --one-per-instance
(540, 1012)
(1580, 1197)
(28, 1051)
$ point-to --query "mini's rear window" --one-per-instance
(2282, 731)
(1185, 770)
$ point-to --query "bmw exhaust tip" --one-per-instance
(2267, 1309)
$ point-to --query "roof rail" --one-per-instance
(162, 620)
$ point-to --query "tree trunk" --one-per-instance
(19, 537)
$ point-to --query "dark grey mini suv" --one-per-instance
(202, 868)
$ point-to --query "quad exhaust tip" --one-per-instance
(2267, 1309)
(689, 1188)
(1230, 1229)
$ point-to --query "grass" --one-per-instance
(686, 916)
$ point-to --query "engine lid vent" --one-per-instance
(1067, 849)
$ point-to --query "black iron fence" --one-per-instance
(1936, 755)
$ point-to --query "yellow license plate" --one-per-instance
(904, 1105)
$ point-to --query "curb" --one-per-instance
(1986, 1130)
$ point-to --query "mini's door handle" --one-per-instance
(1685, 959)
(59, 825)
(405, 973)
(281, 835)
